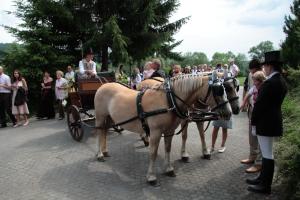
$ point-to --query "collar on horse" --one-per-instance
(173, 106)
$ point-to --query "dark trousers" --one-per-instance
(5, 106)
(61, 111)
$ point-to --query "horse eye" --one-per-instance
(228, 89)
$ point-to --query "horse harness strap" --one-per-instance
(143, 115)
(171, 97)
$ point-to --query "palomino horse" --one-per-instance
(118, 104)
(231, 88)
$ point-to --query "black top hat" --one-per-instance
(272, 57)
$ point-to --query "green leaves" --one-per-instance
(291, 45)
(259, 50)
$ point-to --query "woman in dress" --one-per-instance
(46, 108)
(61, 93)
(20, 110)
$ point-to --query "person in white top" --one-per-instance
(5, 99)
(233, 68)
(61, 92)
(70, 77)
(136, 79)
(87, 67)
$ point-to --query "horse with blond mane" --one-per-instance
(231, 87)
(119, 105)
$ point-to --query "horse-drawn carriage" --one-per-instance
(81, 101)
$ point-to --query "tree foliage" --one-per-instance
(195, 58)
(259, 50)
(291, 45)
(53, 31)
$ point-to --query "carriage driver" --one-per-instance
(87, 67)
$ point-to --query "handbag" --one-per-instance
(20, 98)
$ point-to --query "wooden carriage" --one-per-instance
(81, 100)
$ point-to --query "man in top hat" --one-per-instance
(267, 119)
(233, 68)
(87, 67)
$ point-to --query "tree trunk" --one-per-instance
(104, 55)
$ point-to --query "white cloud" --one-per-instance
(8, 20)
(230, 25)
(215, 25)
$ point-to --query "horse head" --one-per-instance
(231, 86)
(216, 97)
(199, 88)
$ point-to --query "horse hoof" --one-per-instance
(206, 156)
(185, 159)
(153, 183)
(105, 154)
(145, 142)
(100, 159)
(170, 174)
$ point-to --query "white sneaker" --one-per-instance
(26, 123)
(16, 125)
(222, 149)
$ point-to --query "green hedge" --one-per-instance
(287, 150)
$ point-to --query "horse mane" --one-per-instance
(187, 83)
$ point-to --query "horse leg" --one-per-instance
(154, 142)
(145, 139)
(184, 154)
(205, 152)
(169, 168)
(102, 148)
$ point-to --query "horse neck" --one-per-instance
(189, 87)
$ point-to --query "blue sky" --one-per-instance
(215, 25)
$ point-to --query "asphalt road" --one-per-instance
(41, 161)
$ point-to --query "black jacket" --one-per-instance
(266, 115)
(158, 73)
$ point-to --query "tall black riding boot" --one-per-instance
(256, 180)
(264, 186)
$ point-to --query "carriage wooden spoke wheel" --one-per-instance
(74, 123)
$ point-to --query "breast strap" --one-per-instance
(143, 115)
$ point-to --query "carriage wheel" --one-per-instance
(74, 123)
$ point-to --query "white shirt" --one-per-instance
(82, 69)
(70, 76)
(272, 74)
(4, 80)
(234, 69)
(61, 93)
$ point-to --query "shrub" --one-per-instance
(287, 151)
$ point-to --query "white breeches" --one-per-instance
(266, 146)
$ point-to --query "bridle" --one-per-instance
(211, 90)
(228, 88)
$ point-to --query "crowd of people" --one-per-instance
(264, 91)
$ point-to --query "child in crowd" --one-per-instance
(258, 79)
(136, 78)
(148, 71)
(176, 70)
